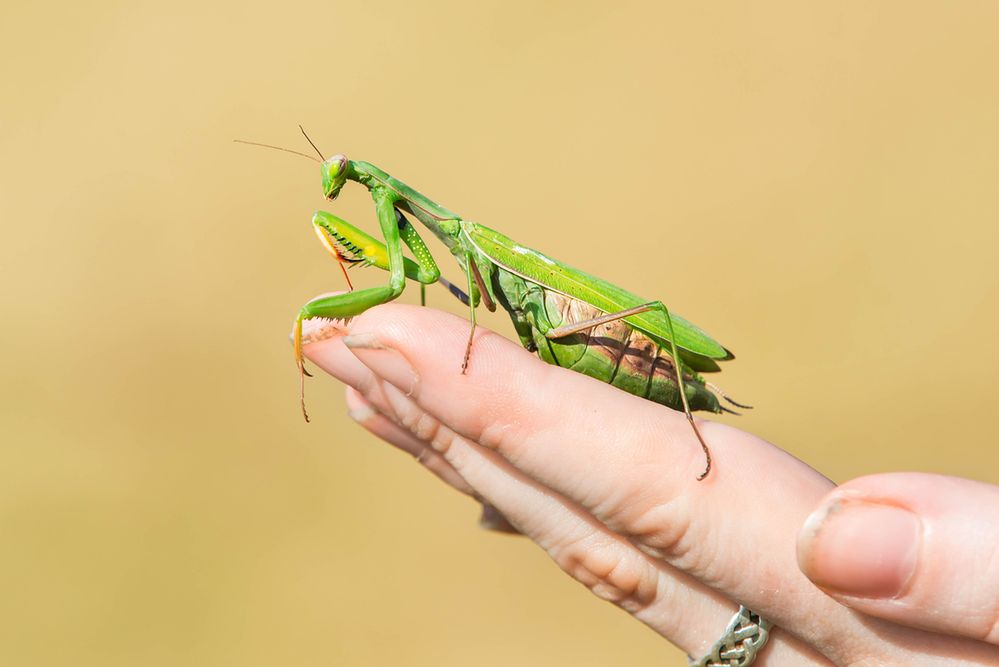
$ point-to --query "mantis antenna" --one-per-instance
(277, 148)
(310, 142)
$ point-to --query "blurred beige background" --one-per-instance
(815, 185)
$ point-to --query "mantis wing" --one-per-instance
(554, 275)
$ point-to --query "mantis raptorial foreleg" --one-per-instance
(569, 329)
(348, 243)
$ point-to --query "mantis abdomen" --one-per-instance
(614, 352)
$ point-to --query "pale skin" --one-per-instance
(604, 482)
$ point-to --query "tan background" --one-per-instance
(815, 185)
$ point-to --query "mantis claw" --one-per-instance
(300, 363)
(305, 413)
(302, 373)
(468, 350)
(704, 446)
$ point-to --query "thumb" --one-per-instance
(913, 548)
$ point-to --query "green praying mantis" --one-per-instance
(569, 317)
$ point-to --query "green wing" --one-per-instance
(537, 267)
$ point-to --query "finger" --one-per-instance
(628, 462)
(364, 413)
(687, 612)
(322, 341)
(914, 548)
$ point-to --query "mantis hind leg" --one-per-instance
(569, 329)
(683, 392)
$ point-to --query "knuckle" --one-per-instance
(374, 392)
(425, 427)
(418, 422)
(499, 435)
(367, 386)
(407, 413)
(610, 569)
(660, 526)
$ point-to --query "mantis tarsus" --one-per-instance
(570, 318)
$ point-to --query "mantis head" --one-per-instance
(334, 175)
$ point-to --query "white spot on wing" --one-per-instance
(521, 250)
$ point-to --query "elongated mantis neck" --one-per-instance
(427, 211)
(369, 175)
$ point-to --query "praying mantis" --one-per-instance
(568, 317)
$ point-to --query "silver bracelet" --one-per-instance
(745, 636)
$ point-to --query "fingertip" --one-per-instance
(860, 548)
(358, 407)
(913, 548)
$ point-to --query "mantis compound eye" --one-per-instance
(334, 175)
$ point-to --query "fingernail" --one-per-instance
(361, 413)
(363, 341)
(385, 362)
(855, 547)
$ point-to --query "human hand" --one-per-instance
(605, 483)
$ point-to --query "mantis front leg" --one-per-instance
(336, 233)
